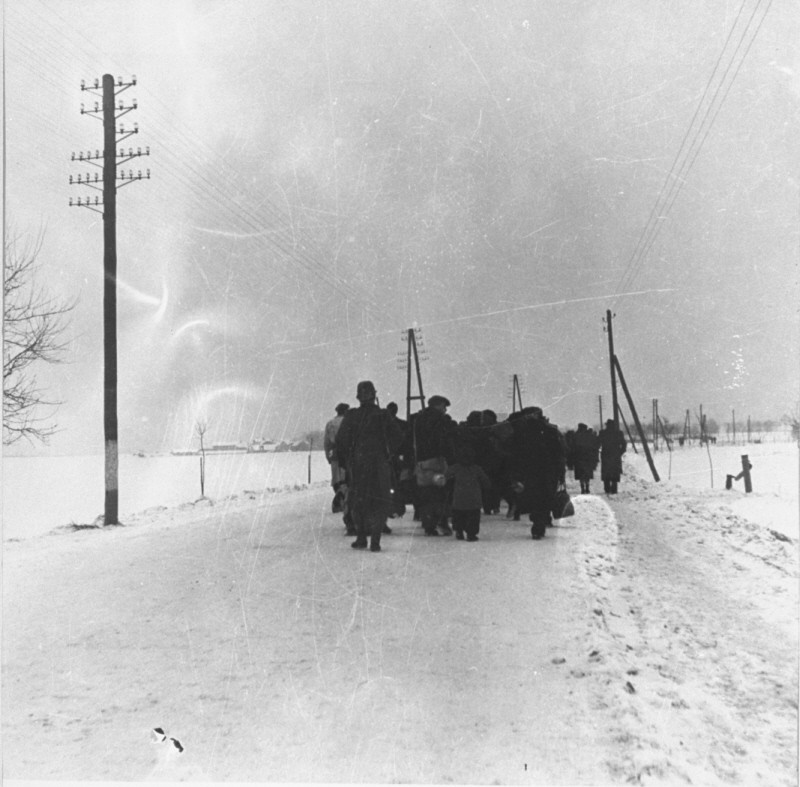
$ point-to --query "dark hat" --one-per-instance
(437, 400)
(535, 411)
(342, 408)
(365, 390)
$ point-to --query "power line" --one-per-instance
(675, 180)
(298, 253)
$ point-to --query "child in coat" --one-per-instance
(469, 481)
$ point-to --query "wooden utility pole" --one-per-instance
(600, 402)
(632, 407)
(614, 403)
(628, 432)
(110, 301)
(516, 394)
(655, 424)
(412, 350)
(109, 113)
(733, 419)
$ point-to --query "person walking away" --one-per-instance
(469, 482)
(401, 478)
(432, 437)
(585, 446)
(329, 444)
(365, 443)
(537, 466)
(612, 447)
(491, 460)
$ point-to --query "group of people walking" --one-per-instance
(585, 449)
(452, 472)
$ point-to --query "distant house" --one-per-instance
(184, 452)
(227, 448)
(262, 446)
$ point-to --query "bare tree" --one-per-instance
(33, 324)
(792, 420)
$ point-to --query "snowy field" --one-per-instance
(774, 501)
(40, 493)
(74, 485)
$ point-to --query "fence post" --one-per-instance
(748, 484)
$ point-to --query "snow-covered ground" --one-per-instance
(775, 500)
(40, 492)
(650, 639)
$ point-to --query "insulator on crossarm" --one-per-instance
(138, 151)
(135, 104)
(97, 200)
(97, 83)
(82, 110)
(147, 150)
(119, 81)
(96, 107)
(83, 84)
(130, 151)
(133, 79)
(135, 128)
(70, 180)
(97, 154)
(148, 173)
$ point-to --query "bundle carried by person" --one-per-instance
(430, 472)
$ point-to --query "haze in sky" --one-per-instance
(325, 175)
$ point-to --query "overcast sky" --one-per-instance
(327, 174)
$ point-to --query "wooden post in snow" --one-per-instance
(632, 406)
(748, 482)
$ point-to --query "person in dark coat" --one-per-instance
(585, 446)
(431, 435)
(329, 443)
(469, 481)
(365, 444)
(401, 491)
(537, 466)
(612, 447)
(490, 458)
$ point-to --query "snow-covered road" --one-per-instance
(649, 641)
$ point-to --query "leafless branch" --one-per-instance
(33, 327)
